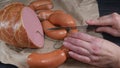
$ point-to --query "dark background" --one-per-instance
(107, 7)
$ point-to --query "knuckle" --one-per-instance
(78, 34)
(115, 17)
(95, 39)
(94, 58)
(78, 50)
(82, 51)
(115, 13)
(76, 41)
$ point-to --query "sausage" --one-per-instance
(47, 60)
(20, 26)
(41, 5)
(44, 14)
(62, 19)
(54, 34)
(49, 15)
(58, 11)
(58, 19)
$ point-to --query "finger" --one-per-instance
(79, 57)
(105, 20)
(83, 36)
(76, 49)
(108, 30)
(92, 47)
(78, 42)
(99, 22)
(94, 58)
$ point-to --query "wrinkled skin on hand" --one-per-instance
(93, 50)
(110, 24)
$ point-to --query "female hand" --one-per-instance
(93, 50)
(110, 24)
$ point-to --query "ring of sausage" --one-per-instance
(48, 60)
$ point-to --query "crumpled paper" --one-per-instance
(81, 10)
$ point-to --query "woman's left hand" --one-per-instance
(93, 50)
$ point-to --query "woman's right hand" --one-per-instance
(109, 24)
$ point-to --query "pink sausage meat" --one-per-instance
(32, 26)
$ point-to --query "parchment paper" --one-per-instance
(81, 10)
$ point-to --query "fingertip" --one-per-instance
(93, 22)
(103, 29)
(89, 21)
(65, 44)
(71, 53)
(65, 39)
(98, 30)
(70, 34)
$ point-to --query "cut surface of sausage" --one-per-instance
(32, 26)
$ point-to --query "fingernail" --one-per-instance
(65, 39)
(70, 53)
(64, 43)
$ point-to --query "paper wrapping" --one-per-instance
(81, 10)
